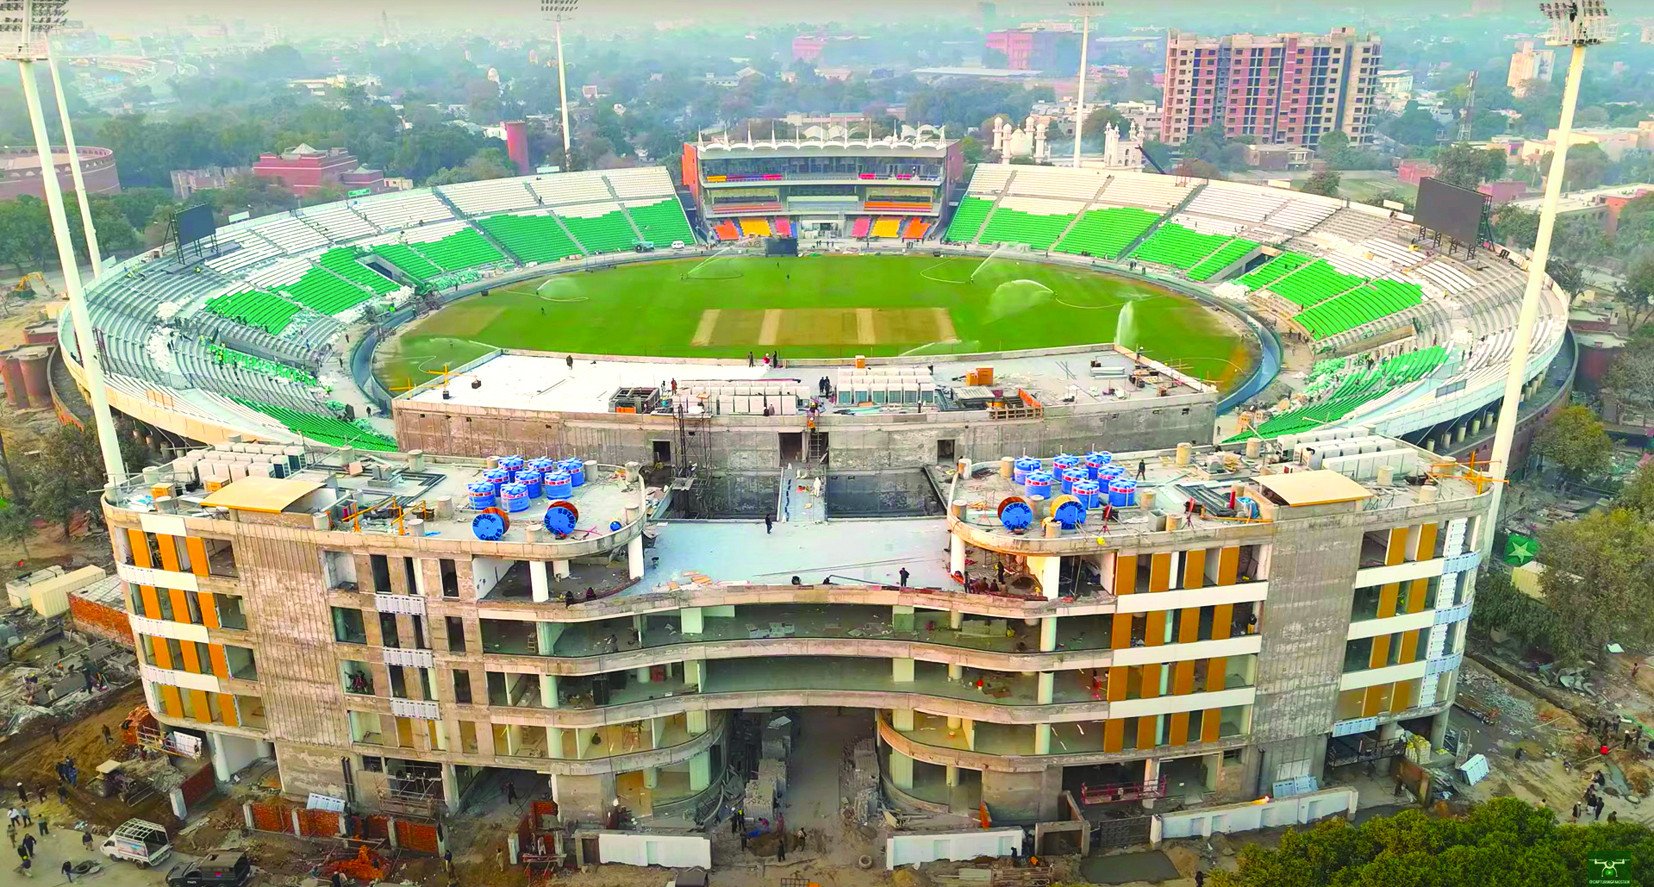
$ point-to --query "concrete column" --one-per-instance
(554, 742)
(1151, 776)
(450, 786)
(651, 777)
(956, 672)
(902, 719)
(1046, 687)
(956, 620)
(1460, 434)
(901, 671)
(1476, 425)
(694, 674)
(634, 559)
(700, 770)
(970, 733)
(1446, 440)
(1387, 731)
(548, 691)
(560, 569)
(1042, 739)
(513, 739)
(657, 729)
(1213, 770)
(695, 720)
(1048, 570)
(1438, 729)
(641, 673)
(901, 618)
(220, 762)
(693, 623)
(266, 749)
(545, 637)
(952, 776)
(1048, 634)
(901, 770)
(956, 555)
(539, 586)
(953, 722)
(582, 741)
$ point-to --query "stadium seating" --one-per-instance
(292, 235)
(568, 188)
(726, 230)
(232, 357)
(1107, 232)
(968, 218)
(338, 283)
(338, 222)
(861, 227)
(533, 239)
(409, 261)
(1007, 225)
(1314, 283)
(458, 251)
(489, 197)
(267, 311)
(888, 227)
(782, 226)
(607, 232)
(915, 229)
(1342, 392)
(1273, 270)
(640, 183)
(1227, 255)
(1358, 307)
(1177, 246)
(755, 227)
(898, 206)
(662, 223)
(324, 429)
(410, 209)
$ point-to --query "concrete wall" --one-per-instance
(643, 848)
(856, 443)
(900, 850)
(881, 494)
(1022, 797)
(1297, 810)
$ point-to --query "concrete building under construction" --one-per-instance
(397, 629)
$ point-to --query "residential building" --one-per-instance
(1039, 46)
(1528, 64)
(304, 169)
(188, 181)
(1395, 89)
(1280, 89)
(344, 615)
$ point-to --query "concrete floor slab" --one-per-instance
(850, 550)
(1124, 868)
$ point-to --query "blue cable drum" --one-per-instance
(1021, 468)
(490, 526)
(515, 496)
(482, 495)
(557, 485)
(560, 519)
(1068, 512)
(576, 470)
(1015, 514)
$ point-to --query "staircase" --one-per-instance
(1164, 218)
(1095, 196)
(371, 223)
(458, 213)
(998, 198)
(466, 217)
(572, 239)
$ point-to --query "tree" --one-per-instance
(1588, 166)
(1636, 294)
(1460, 164)
(1324, 183)
(1595, 578)
(1530, 621)
(1158, 152)
(971, 148)
(1637, 494)
(1516, 226)
(66, 477)
(1415, 127)
(1631, 376)
(1576, 442)
(1104, 117)
(1504, 841)
(1196, 168)
(17, 525)
(489, 163)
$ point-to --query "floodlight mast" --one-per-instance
(1577, 24)
(29, 23)
(559, 10)
(1086, 9)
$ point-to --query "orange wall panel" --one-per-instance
(1194, 568)
(1125, 574)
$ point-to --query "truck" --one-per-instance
(221, 868)
(135, 840)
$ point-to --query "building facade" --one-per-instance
(1037, 47)
(20, 172)
(356, 620)
(1280, 89)
(304, 169)
(1529, 64)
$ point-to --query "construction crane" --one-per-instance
(1149, 159)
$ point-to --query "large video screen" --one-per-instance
(195, 223)
(1454, 211)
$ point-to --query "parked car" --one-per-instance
(221, 868)
(135, 840)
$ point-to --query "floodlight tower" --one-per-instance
(1578, 24)
(1086, 9)
(81, 197)
(24, 29)
(559, 10)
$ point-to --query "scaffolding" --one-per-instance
(692, 450)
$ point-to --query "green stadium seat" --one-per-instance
(662, 223)
(531, 238)
(1358, 307)
(1107, 232)
(1035, 230)
(232, 357)
(459, 251)
(1314, 283)
(1182, 248)
(1227, 255)
(967, 220)
(326, 429)
(255, 308)
(607, 233)
(1351, 393)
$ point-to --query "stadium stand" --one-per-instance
(407, 209)
(1358, 307)
(887, 227)
(325, 429)
(915, 229)
(337, 222)
(1274, 270)
(1338, 388)
(267, 311)
(600, 228)
(1007, 225)
(726, 230)
(1226, 256)
(968, 218)
(861, 227)
(231, 357)
(489, 197)
(663, 223)
(1107, 232)
(1177, 246)
(565, 190)
(1312, 283)
(458, 251)
(782, 226)
(532, 239)
(755, 227)
(292, 235)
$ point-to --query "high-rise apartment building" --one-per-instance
(1281, 89)
(1528, 64)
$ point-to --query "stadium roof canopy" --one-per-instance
(855, 148)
